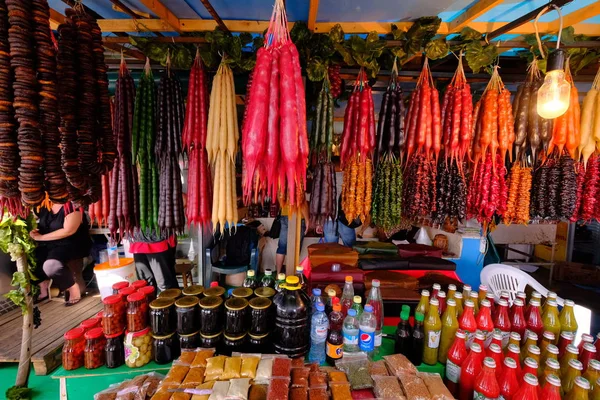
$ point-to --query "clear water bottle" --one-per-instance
(350, 332)
(366, 331)
(347, 295)
(315, 299)
(375, 301)
(318, 335)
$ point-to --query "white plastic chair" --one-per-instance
(507, 278)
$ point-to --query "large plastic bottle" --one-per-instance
(350, 332)
(316, 299)
(347, 295)
(375, 301)
(318, 335)
(366, 331)
(291, 333)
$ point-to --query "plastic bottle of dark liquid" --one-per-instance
(335, 339)
(291, 334)
(403, 333)
(418, 340)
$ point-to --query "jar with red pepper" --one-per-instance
(91, 323)
(137, 312)
(94, 348)
(113, 315)
(119, 285)
(72, 352)
(149, 292)
(127, 291)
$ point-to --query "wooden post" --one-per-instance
(290, 258)
(297, 242)
(25, 357)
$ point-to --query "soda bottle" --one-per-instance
(550, 318)
(280, 281)
(403, 333)
(449, 328)
(534, 352)
(329, 304)
(515, 339)
(529, 389)
(502, 321)
(456, 357)
(530, 366)
(350, 332)
(568, 323)
(522, 296)
(484, 321)
(451, 291)
(347, 295)
(585, 338)
(504, 295)
(549, 296)
(423, 305)
(551, 389)
(530, 339)
(418, 340)
(588, 353)
(250, 281)
(356, 305)
(580, 390)
(495, 353)
(497, 337)
(552, 367)
(469, 372)
(597, 344)
(315, 299)
(547, 338)
(318, 335)
(474, 297)
(466, 292)
(335, 339)
(366, 331)
(490, 297)
(458, 297)
(514, 352)
(483, 290)
(592, 372)
(517, 318)
(467, 322)
(595, 394)
(534, 296)
(442, 299)
(508, 382)
(566, 338)
(573, 371)
(479, 338)
(571, 353)
(375, 301)
(268, 280)
(486, 384)
(551, 352)
(433, 331)
(301, 277)
(435, 290)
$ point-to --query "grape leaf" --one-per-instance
(437, 49)
(479, 56)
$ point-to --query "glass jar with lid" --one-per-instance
(210, 341)
(127, 291)
(193, 290)
(267, 292)
(233, 343)
(163, 318)
(236, 316)
(211, 310)
(119, 285)
(91, 323)
(139, 284)
(217, 291)
(259, 315)
(138, 348)
(113, 315)
(187, 315)
(191, 341)
(149, 292)
(170, 294)
(166, 348)
(72, 352)
(94, 348)
(259, 343)
(114, 350)
(137, 318)
(243, 292)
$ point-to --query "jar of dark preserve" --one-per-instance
(265, 291)
(259, 343)
(193, 290)
(94, 348)
(235, 316)
(137, 315)
(119, 285)
(149, 292)
(114, 350)
(187, 315)
(170, 294)
(139, 284)
(113, 315)
(163, 318)
(72, 352)
(217, 291)
(191, 341)
(210, 341)
(166, 348)
(243, 292)
(210, 315)
(232, 344)
(259, 315)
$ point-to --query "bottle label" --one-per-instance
(505, 338)
(378, 339)
(334, 350)
(481, 396)
(488, 338)
(433, 339)
(366, 340)
(452, 371)
(321, 332)
(470, 338)
(350, 339)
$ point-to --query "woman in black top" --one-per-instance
(62, 236)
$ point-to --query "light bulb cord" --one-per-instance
(560, 26)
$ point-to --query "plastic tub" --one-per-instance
(108, 276)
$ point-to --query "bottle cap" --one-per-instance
(458, 295)
(476, 347)
(485, 303)
(504, 293)
(586, 337)
(436, 286)
(406, 307)
(551, 302)
(349, 278)
(419, 317)
(320, 307)
(352, 312)
(214, 284)
(441, 294)
(569, 303)
(576, 364)
(292, 280)
(466, 287)
(594, 364)
(268, 272)
(533, 349)
(503, 303)
(551, 295)
(357, 299)
(331, 292)
(335, 300)
(494, 348)
(480, 335)
(299, 268)
(531, 363)
(515, 336)
(490, 296)
(489, 362)
(531, 335)
(536, 295)
(568, 335)
(451, 287)
(281, 276)
(451, 302)
(530, 379)
(469, 303)
(425, 293)
(572, 349)
(375, 283)
(582, 383)
(250, 273)
(552, 349)
(483, 288)
(510, 363)
(552, 363)
(513, 348)
(368, 308)
(534, 302)
(497, 334)
(549, 335)
(460, 334)
(337, 307)
(316, 292)
(474, 295)
(553, 380)
(518, 302)
(434, 302)
(521, 295)
(404, 315)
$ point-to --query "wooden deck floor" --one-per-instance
(47, 340)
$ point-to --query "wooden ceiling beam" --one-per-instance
(479, 8)
(579, 15)
(56, 19)
(213, 13)
(158, 8)
(117, 48)
(313, 10)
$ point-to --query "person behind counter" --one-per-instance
(283, 233)
(155, 260)
(333, 230)
(62, 236)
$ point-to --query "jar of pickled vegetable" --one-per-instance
(217, 291)
(72, 352)
(259, 343)
(191, 341)
(243, 292)
(114, 350)
(149, 292)
(187, 315)
(265, 291)
(210, 341)
(163, 318)
(166, 348)
(138, 348)
(170, 294)
(235, 316)
(113, 315)
(259, 311)
(211, 309)
(232, 344)
(119, 285)
(94, 348)
(193, 290)
(139, 284)
(91, 324)
(137, 319)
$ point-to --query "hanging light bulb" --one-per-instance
(554, 95)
